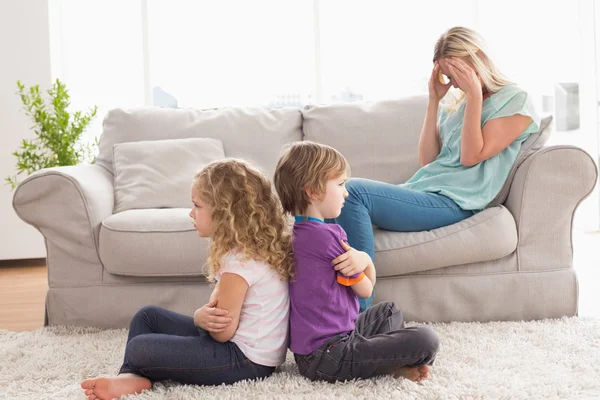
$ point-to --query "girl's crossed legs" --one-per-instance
(165, 345)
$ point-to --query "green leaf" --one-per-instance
(58, 131)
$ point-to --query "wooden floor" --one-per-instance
(23, 286)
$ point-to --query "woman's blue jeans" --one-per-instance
(393, 208)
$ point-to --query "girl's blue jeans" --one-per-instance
(393, 208)
(163, 345)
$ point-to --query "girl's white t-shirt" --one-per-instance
(262, 334)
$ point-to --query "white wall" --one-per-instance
(24, 45)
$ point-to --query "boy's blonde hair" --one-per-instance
(247, 216)
(306, 165)
(466, 43)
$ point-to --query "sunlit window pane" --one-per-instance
(540, 52)
(380, 49)
(96, 49)
(232, 52)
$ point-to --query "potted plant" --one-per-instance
(58, 132)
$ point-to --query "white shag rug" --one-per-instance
(550, 359)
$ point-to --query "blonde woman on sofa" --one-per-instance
(466, 150)
(250, 259)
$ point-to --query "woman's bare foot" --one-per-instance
(417, 374)
(108, 388)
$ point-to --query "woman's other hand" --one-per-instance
(437, 89)
(210, 318)
(465, 76)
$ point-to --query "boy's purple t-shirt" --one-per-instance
(320, 307)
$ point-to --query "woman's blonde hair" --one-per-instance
(466, 43)
(246, 215)
(306, 165)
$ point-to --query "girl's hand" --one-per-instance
(465, 76)
(352, 261)
(210, 318)
(437, 89)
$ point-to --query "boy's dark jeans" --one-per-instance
(380, 344)
(163, 345)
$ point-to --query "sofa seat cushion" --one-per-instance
(488, 235)
(152, 242)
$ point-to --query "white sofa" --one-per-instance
(511, 261)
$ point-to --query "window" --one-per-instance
(205, 54)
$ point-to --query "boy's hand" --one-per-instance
(210, 318)
(352, 262)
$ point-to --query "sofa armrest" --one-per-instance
(546, 191)
(67, 205)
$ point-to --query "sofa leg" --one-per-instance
(46, 312)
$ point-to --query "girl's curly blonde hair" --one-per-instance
(247, 216)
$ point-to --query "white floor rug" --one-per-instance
(552, 359)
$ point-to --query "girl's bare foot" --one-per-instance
(109, 388)
(417, 374)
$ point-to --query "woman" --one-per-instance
(466, 150)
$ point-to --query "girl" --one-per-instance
(250, 260)
(466, 150)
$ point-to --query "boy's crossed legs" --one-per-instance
(379, 345)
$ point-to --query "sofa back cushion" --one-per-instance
(159, 173)
(534, 142)
(254, 134)
(378, 139)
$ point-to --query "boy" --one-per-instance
(328, 337)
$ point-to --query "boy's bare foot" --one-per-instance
(417, 374)
(108, 388)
